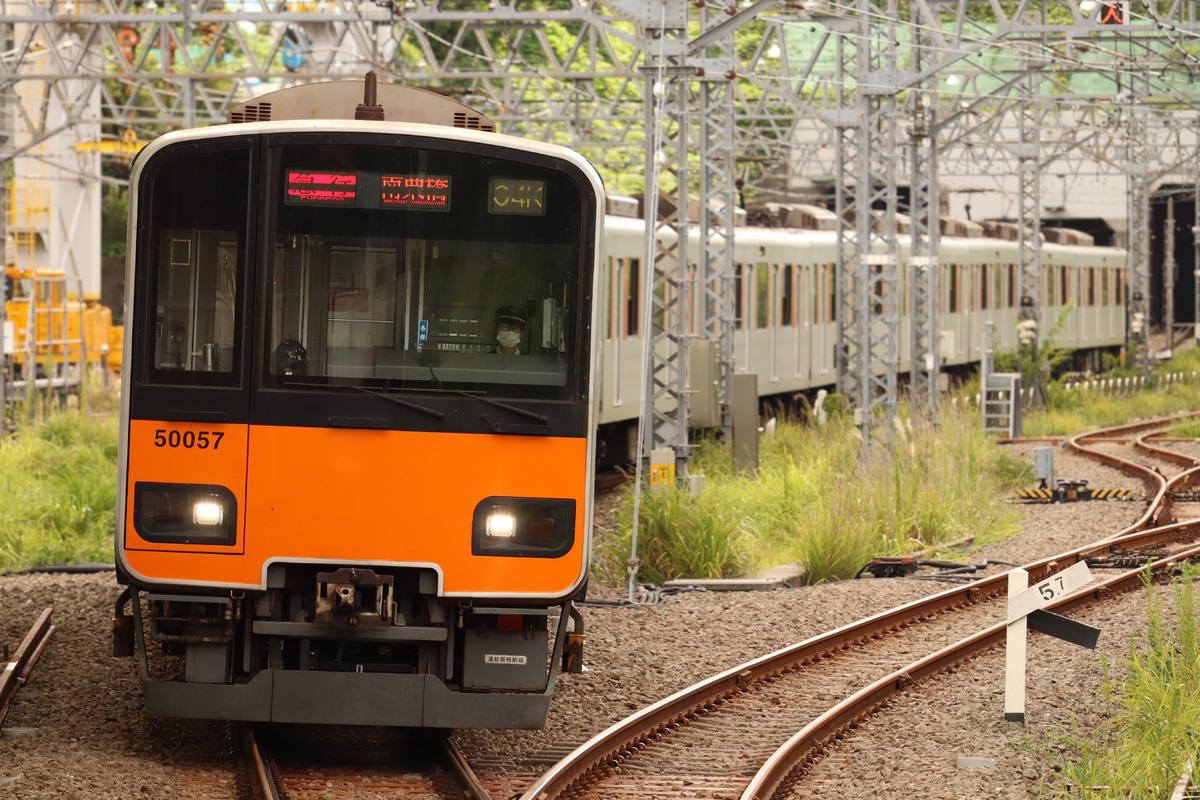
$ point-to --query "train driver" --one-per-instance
(510, 327)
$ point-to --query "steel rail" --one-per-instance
(630, 735)
(467, 785)
(1163, 454)
(1158, 512)
(17, 671)
(262, 782)
(451, 773)
(792, 761)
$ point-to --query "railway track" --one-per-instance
(297, 763)
(754, 731)
(17, 669)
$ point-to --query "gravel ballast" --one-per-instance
(77, 730)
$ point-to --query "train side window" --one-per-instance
(1104, 299)
(831, 271)
(787, 297)
(816, 310)
(1065, 293)
(607, 271)
(805, 290)
(633, 297)
(738, 316)
(762, 295)
(1091, 286)
(195, 266)
(664, 298)
(983, 287)
(953, 289)
(1119, 287)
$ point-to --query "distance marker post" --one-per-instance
(1026, 612)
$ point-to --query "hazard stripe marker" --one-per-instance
(1059, 495)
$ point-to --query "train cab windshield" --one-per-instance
(409, 268)
(388, 268)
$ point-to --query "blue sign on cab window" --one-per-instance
(423, 331)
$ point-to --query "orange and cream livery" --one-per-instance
(357, 437)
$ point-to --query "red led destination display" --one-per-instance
(428, 192)
(305, 188)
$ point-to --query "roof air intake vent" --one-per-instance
(472, 122)
(253, 112)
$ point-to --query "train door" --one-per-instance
(822, 348)
(956, 319)
(612, 347)
(1087, 302)
(802, 317)
(977, 310)
(769, 315)
(184, 427)
(825, 305)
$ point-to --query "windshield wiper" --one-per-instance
(515, 409)
(433, 412)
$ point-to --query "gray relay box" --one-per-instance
(514, 660)
(1043, 466)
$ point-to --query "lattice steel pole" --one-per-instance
(1138, 345)
(665, 314)
(875, 219)
(923, 262)
(718, 206)
(848, 354)
(1029, 225)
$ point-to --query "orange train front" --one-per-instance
(342, 499)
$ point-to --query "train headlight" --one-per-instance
(530, 527)
(207, 512)
(184, 513)
(500, 524)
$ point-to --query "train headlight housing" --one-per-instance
(184, 513)
(530, 527)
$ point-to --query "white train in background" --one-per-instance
(785, 305)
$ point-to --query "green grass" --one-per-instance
(58, 491)
(1154, 726)
(1072, 411)
(813, 501)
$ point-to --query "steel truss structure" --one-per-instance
(775, 95)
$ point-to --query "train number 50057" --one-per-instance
(189, 439)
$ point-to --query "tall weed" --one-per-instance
(1145, 744)
(815, 502)
(679, 536)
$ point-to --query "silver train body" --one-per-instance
(785, 305)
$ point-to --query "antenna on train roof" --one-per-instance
(368, 109)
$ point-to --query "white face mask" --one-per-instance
(508, 339)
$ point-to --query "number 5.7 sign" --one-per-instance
(1040, 594)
